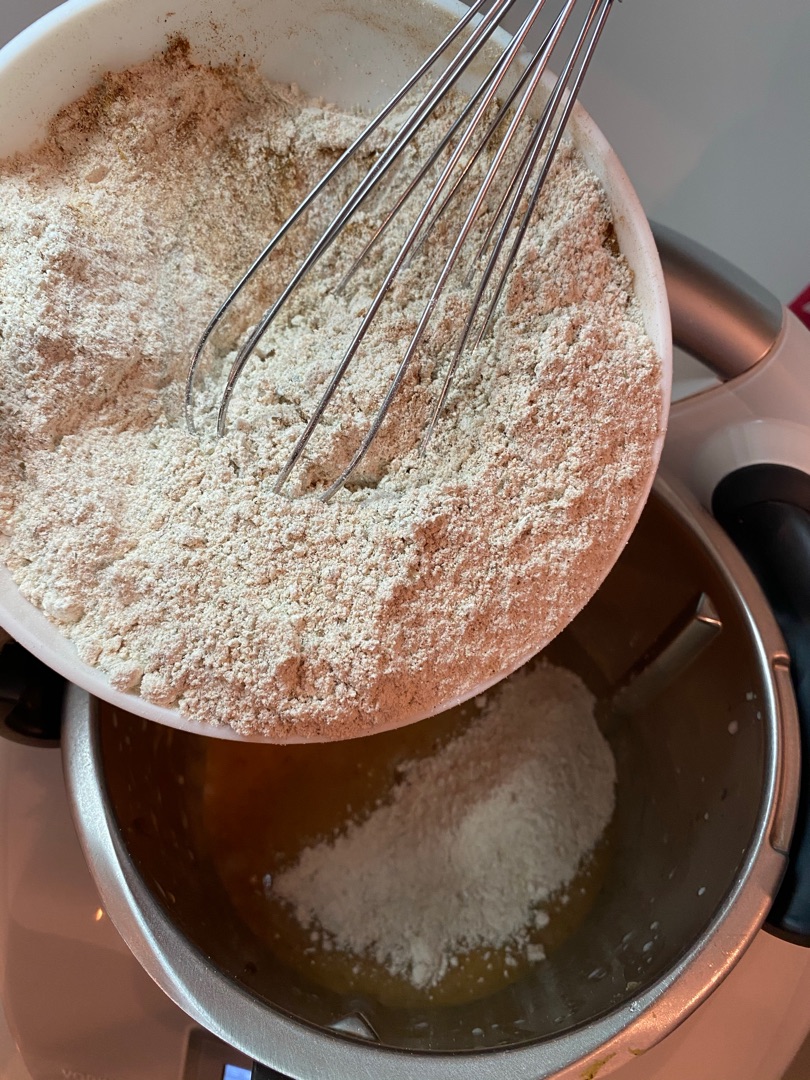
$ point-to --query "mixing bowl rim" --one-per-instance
(302, 1050)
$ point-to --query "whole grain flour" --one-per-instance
(165, 556)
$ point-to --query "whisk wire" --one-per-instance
(597, 17)
(463, 145)
(315, 192)
(517, 190)
(431, 161)
(484, 141)
(514, 192)
(414, 183)
(500, 70)
(406, 132)
(520, 175)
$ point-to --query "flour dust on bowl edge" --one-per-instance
(706, 797)
(341, 53)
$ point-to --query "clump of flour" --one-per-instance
(472, 840)
(166, 557)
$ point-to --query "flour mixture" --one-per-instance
(165, 557)
(436, 863)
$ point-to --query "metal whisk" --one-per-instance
(488, 120)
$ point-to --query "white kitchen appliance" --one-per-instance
(77, 1004)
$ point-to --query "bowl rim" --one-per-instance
(612, 1039)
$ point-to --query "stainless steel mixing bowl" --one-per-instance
(707, 756)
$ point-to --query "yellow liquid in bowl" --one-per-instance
(264, 804)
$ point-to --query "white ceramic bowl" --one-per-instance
(351, 52)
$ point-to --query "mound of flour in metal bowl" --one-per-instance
(166, 558)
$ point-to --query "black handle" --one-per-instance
(765, 509)
(30, 698)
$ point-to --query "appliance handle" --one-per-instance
(719, 314)
(733, 325)
(730, 323)
(30, 698)
(765, 509)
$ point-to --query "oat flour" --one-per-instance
(166, 558)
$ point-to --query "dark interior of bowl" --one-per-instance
(692, 763)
